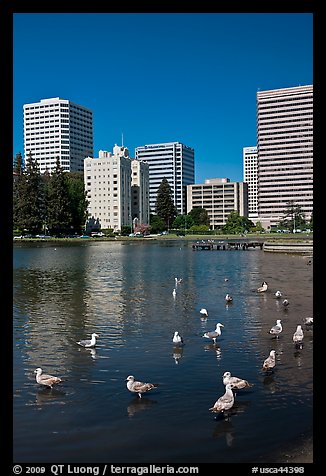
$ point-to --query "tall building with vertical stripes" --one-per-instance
(175, 162)
(250, 169)
(55, 128)
(285, 152)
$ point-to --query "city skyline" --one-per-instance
(162, 77)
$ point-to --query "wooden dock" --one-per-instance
(226, 245)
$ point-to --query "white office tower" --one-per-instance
(108, 187)
(250, 168)
(285, 152)
(58, 128)
(140, 192)
(175, 162)
(219, 197)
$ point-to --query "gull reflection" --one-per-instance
(49, 395)
(177, 353)
(138, 405)
(216, 347)
(92, 352)
(225, 429)
(270, 383)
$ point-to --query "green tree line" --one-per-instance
(53, 203)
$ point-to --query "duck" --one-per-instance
(262, 288)
(135, 386)
(214, 334)
(47, 380)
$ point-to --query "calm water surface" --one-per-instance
(123, 292)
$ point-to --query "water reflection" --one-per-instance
(214, 347)
(138, 405)
(177, 353)
(225, 429)
(49, 396)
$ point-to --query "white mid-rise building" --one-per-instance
(140, 192)
(173, 161)
(108, 186)
(285, 152)
(58, 128)
(219, 197)
(250, 168)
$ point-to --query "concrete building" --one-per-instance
(140, 192)
(250, 169)
(219, 197)
(285, 152)
(57, 127)
(175, 162)
(108, 186)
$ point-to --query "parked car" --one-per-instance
(97, 233)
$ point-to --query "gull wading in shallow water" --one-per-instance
(270, 362)
(225, 402)
(228, 298)
(135, 386)
(214, 334)
(203, 312)
(177, 339)
(298, 335)
(88, 342)
(277, 329)
(278, 294)
(263, 287)
(236, 382)
(47, 380)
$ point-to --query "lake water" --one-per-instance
(123, 292)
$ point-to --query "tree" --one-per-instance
(77, 200)
(183, 222)
(237, 224)
(164, 203)
(199, 216)
(293, 217)
(58, 206)
(28, 196)
(157, 224)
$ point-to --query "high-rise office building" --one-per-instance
(219, 197)
(250, 177)
(285, 152)
(139, 192)
(175, 162)
(55, 128)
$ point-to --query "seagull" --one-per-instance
(262, 288)
(278, 294)
(270, 362)
(88, 342)
(178, 281)
(277, 329)
(225, 402)
(47, 380)
(214, 334)
(236, 382)
(309, 321)
(225, 279)
(298, 335)
(177, 339)
(138, 387)
(285, 302)
(228, 298)
(204, 312)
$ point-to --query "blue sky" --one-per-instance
(162, 77)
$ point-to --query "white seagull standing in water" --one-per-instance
(285, 302)
(278, 294)
(298, 335)
(225, 402)
(177, 339)
(228, 298)
(47, 380)
(277, 329)
(139, 387)
(309, 321)
(204, 312)
(236, 382)
(262, 288)
(270, 362)
(178, 281)
(88, 342)
(214, 334)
